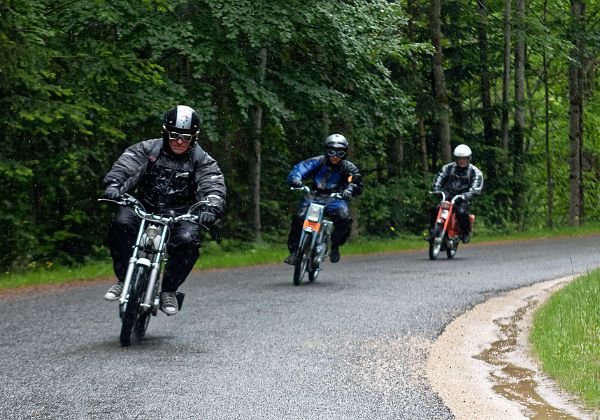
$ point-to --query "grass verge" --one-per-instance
(230, 255)
(566, 337)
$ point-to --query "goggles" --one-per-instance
(334, 152)
(174, 135)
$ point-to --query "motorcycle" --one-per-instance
(446, 231)
(314, 243)
(140, 298)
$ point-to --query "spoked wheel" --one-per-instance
(451, 251)
(131, 311)
(302, 259)
(435, 244)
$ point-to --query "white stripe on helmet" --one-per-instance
(184, 117)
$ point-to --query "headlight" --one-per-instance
(152, 231)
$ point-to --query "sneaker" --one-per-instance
(168, 303)
(466, 238)
(335, 256)
(114, 292)
(291, 259)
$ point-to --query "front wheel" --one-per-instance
(435, 244)
(302, 258)
(131, 311)
(451, 250)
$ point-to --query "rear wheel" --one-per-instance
(435, 244)
(131, 312)
(302, 258)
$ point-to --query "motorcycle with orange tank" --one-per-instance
(446, 230)
(314, 243)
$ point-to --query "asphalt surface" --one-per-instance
(250, 345)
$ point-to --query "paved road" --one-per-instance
(249, 345)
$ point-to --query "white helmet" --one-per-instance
(462, 151)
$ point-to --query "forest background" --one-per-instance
(404, 81)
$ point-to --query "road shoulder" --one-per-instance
(482, 366)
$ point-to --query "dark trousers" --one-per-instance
(182, 247)
(462, 209)
(336, 209)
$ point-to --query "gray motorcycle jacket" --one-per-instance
(169, 182)
(456, 180)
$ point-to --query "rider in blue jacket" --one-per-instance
(330, 173)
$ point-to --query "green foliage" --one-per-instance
(81, 81)
(566, 337)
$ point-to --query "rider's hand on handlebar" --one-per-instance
(347, 194)
(296, 183)
(113, 193)
(206, 218)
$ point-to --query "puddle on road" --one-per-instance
(513, 382)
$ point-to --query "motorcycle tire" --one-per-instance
(302, 258)
(142, 324)
(451, 251)
(434, 249)
(131, 311)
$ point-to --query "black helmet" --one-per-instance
(181, 119)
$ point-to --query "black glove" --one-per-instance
(113, 192)
(206, 218)
(347, 194)
(296, 183)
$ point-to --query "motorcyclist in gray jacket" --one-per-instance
(169, 174)
(456, 178)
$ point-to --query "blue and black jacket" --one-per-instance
(328, 178)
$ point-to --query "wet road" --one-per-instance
(248, 344)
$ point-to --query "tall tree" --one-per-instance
(576, 112)
(549, 181)
(506, 78)
(255, 152)
(439, 81)
(487, 114)
(519, 129)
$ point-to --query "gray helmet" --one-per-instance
(336, 141)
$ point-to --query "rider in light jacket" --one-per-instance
(330, 173)
(455, 178)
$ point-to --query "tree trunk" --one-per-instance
(423, 144)
(395, 155)
(506, 79)
(420, 118)
(575, 117)
(439, 81)
(486, 102)
(256, 117)
(519, 131)
(549, 186)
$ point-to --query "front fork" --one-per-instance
(155, 269)
(132, 261)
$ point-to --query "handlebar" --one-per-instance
(456, 197)
(140, 211)
(308, 194)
